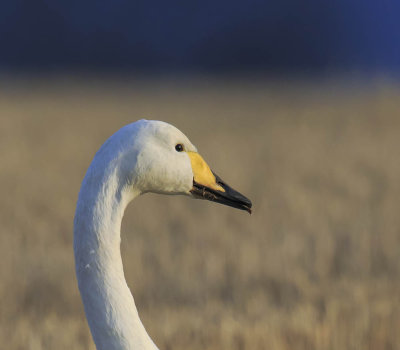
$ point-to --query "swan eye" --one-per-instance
(179, 147)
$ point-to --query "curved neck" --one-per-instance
(109, 306)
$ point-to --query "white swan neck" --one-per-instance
(109, 306)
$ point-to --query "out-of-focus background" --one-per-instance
(295, 104)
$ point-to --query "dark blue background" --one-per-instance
(274, 36)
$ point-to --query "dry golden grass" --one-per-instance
(316, 266)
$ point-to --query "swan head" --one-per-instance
(165, 161)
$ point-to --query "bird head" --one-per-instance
(165, 161)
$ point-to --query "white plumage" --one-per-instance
(141, 157)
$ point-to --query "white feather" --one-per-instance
(139, 158)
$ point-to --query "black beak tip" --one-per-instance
(228, 197)
(247, 205)
(241, 201)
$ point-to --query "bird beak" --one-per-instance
(207, 185)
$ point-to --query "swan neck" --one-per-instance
(109, 305)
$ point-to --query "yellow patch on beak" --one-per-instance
(202, 173)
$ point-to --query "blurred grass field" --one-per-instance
(316, 266)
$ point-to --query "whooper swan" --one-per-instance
(145, 156)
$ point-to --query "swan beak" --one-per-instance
(207, 185)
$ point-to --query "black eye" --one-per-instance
(179, 147)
